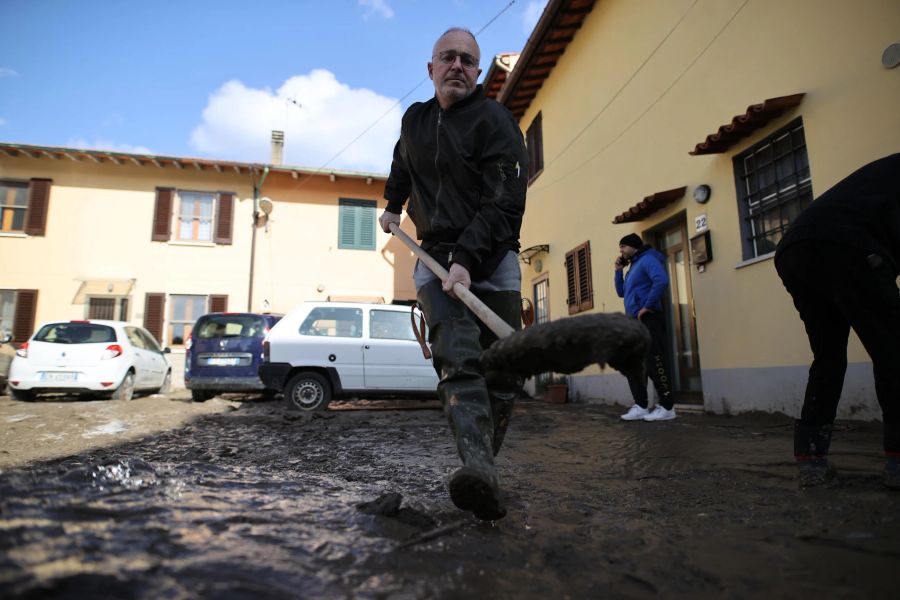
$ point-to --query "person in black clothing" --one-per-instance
(462, 165)
(839, 260)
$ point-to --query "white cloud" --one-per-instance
(110, 146)
(7, 72)
(532, 14)
(377, 7)
(237, 123)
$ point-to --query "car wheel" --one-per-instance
(166, 386)
(22, 395)
(307, 392)
(125, 391)
(201, 395)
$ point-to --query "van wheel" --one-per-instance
(307, 392)
(201, 395)
(125, 391)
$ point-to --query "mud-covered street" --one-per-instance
(246, 502)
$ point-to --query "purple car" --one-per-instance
(223, 353)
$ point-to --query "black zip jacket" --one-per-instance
(465, 173)
(861, 211)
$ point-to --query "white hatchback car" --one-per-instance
(94, 357)
(325, 350)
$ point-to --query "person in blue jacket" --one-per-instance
(643, 287)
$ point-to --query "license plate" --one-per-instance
(224, 362)
(59, 376)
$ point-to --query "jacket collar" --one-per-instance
(476, 95)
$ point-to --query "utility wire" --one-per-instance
(616, 95)
(392, 107)
(652, 104)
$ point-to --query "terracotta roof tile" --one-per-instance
(650, 205)
(757, 115)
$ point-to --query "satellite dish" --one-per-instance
(265, 205)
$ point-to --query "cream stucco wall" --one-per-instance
(99, 228)
(644, 81)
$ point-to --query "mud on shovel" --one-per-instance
(562, 346)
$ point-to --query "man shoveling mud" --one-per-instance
(462, 164)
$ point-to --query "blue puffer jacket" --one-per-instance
(645, 283)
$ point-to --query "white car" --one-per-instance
(325, 350)
(94, 357)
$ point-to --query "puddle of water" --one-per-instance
(111, 428)
(17, 418)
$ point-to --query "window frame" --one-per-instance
(534, 144)
(13, 208)
(187, 322)
(195, 219)
(791, 193)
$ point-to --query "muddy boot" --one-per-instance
(503, 387)
(811, 445)
(454, 336)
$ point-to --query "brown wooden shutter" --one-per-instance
(154, 315)
(579, 280)
(224, 217)
(218, 302)
(23, 319)
(162, 215)
(38, 203)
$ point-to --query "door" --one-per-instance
(682, 330)
(393, 357)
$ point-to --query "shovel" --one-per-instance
(562, 346)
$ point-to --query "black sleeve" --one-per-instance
(504, 168)
(397, 188)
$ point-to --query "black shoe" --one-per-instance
(815, 472)
(891, 474)
(471, 490)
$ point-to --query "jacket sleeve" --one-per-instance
(659, 281)
(397, 188)
(620, 283)
(504, 169)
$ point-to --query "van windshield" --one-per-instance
(223, 326)
(76, 333)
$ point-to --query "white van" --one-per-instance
(325, 350)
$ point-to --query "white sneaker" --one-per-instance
(660, 414)
(635, 413)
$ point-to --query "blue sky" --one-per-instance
(211, 78)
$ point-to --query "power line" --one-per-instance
(392, 107)
(616, 95)
(652, 104)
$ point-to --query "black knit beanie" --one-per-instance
(633, 240)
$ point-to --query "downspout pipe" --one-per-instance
(257, 189)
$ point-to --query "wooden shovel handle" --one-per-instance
(500, 327)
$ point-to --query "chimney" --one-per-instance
(277, 147)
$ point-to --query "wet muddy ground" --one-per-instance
(250, 503)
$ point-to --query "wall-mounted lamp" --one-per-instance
(702, 193)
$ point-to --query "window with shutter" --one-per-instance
(154, 307)
(38, 203)
(218, 303)
(162, 216)
(224, 217)
(23, 315)
(184, 311)
(356, 224)
(578, 277)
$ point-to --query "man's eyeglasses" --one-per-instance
(448, 57)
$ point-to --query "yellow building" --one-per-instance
(703, 125)
(158, 241)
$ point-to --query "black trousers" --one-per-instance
(656, 364)
(836, 288)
